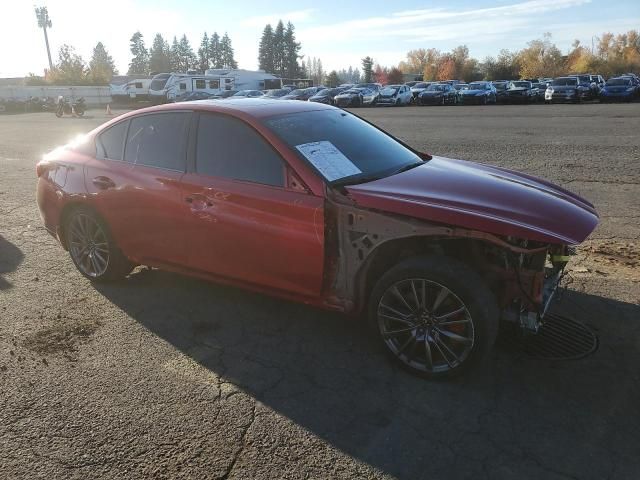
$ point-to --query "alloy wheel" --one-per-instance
(88, 245)
(425, 325)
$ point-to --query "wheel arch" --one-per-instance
(67, 210)
(469, 251)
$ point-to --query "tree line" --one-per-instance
(279, 54)
(609, 55)
(71, 69)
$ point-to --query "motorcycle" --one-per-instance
(70, 108)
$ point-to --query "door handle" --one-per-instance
(103, 183)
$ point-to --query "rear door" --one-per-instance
(135, 184)
(249, 221)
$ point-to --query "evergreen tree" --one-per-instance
(278, 50)
(187, 58)
(265, 50)
(203, 53)
(174, 56)
(291, 53)
(315, 71)
(159, 56)
(333, 80)
(214, 51)
(367, 69)
(101, 66)
(226, 53)
(140, 61)
(304, 71)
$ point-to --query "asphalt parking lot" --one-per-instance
(162, 376)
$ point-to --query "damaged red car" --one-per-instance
(311, 203)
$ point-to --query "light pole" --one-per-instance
(44, 22)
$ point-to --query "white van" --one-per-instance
(165, 87)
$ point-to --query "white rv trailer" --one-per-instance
(248, 79)
(165, 87)
(138, 89)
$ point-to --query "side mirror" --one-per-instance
(424, 156)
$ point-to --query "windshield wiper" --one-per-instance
(407, 167)
(359, 178)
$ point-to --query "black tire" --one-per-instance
(117, 266)
(465, 287)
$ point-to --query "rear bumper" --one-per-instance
(429, 100)
(473, 99)
(347, 103)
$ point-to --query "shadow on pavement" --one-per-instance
(517, 417)
(10, 258)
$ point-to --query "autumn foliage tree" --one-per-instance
(380, 75)
(395, 76)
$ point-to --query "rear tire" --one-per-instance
(434, 316)
(92, 248)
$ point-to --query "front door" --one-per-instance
(246, 223)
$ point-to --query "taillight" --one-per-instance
(41, 168)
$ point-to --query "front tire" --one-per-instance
(434, 316)
(92, 249)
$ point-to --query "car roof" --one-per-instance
(257, 108)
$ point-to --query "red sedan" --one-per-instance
(311, 203)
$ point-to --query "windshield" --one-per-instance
(500, 86)
(477, 86)
(560, 82)
(341, 146)
(521, 84)
(298, 91)
(618, 82)
(242, 93)
(421, 85)
(389, 90)
(276, 93)
(461, 86)
(436, 88)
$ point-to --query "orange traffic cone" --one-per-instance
(109, 109)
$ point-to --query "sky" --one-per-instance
(337, 32)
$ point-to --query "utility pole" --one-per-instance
(44, 22)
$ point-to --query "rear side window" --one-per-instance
(157, 140)
(231, 149)
(111, 142)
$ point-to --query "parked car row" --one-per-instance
(571, 88)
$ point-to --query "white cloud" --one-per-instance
(417, 24)
(295, 16)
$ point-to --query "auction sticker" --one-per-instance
(329, 161)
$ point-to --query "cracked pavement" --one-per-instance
(163, 376)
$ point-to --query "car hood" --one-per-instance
(431, 93)
(473, 92)
(482, 197)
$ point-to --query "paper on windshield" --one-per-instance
(329, 161)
